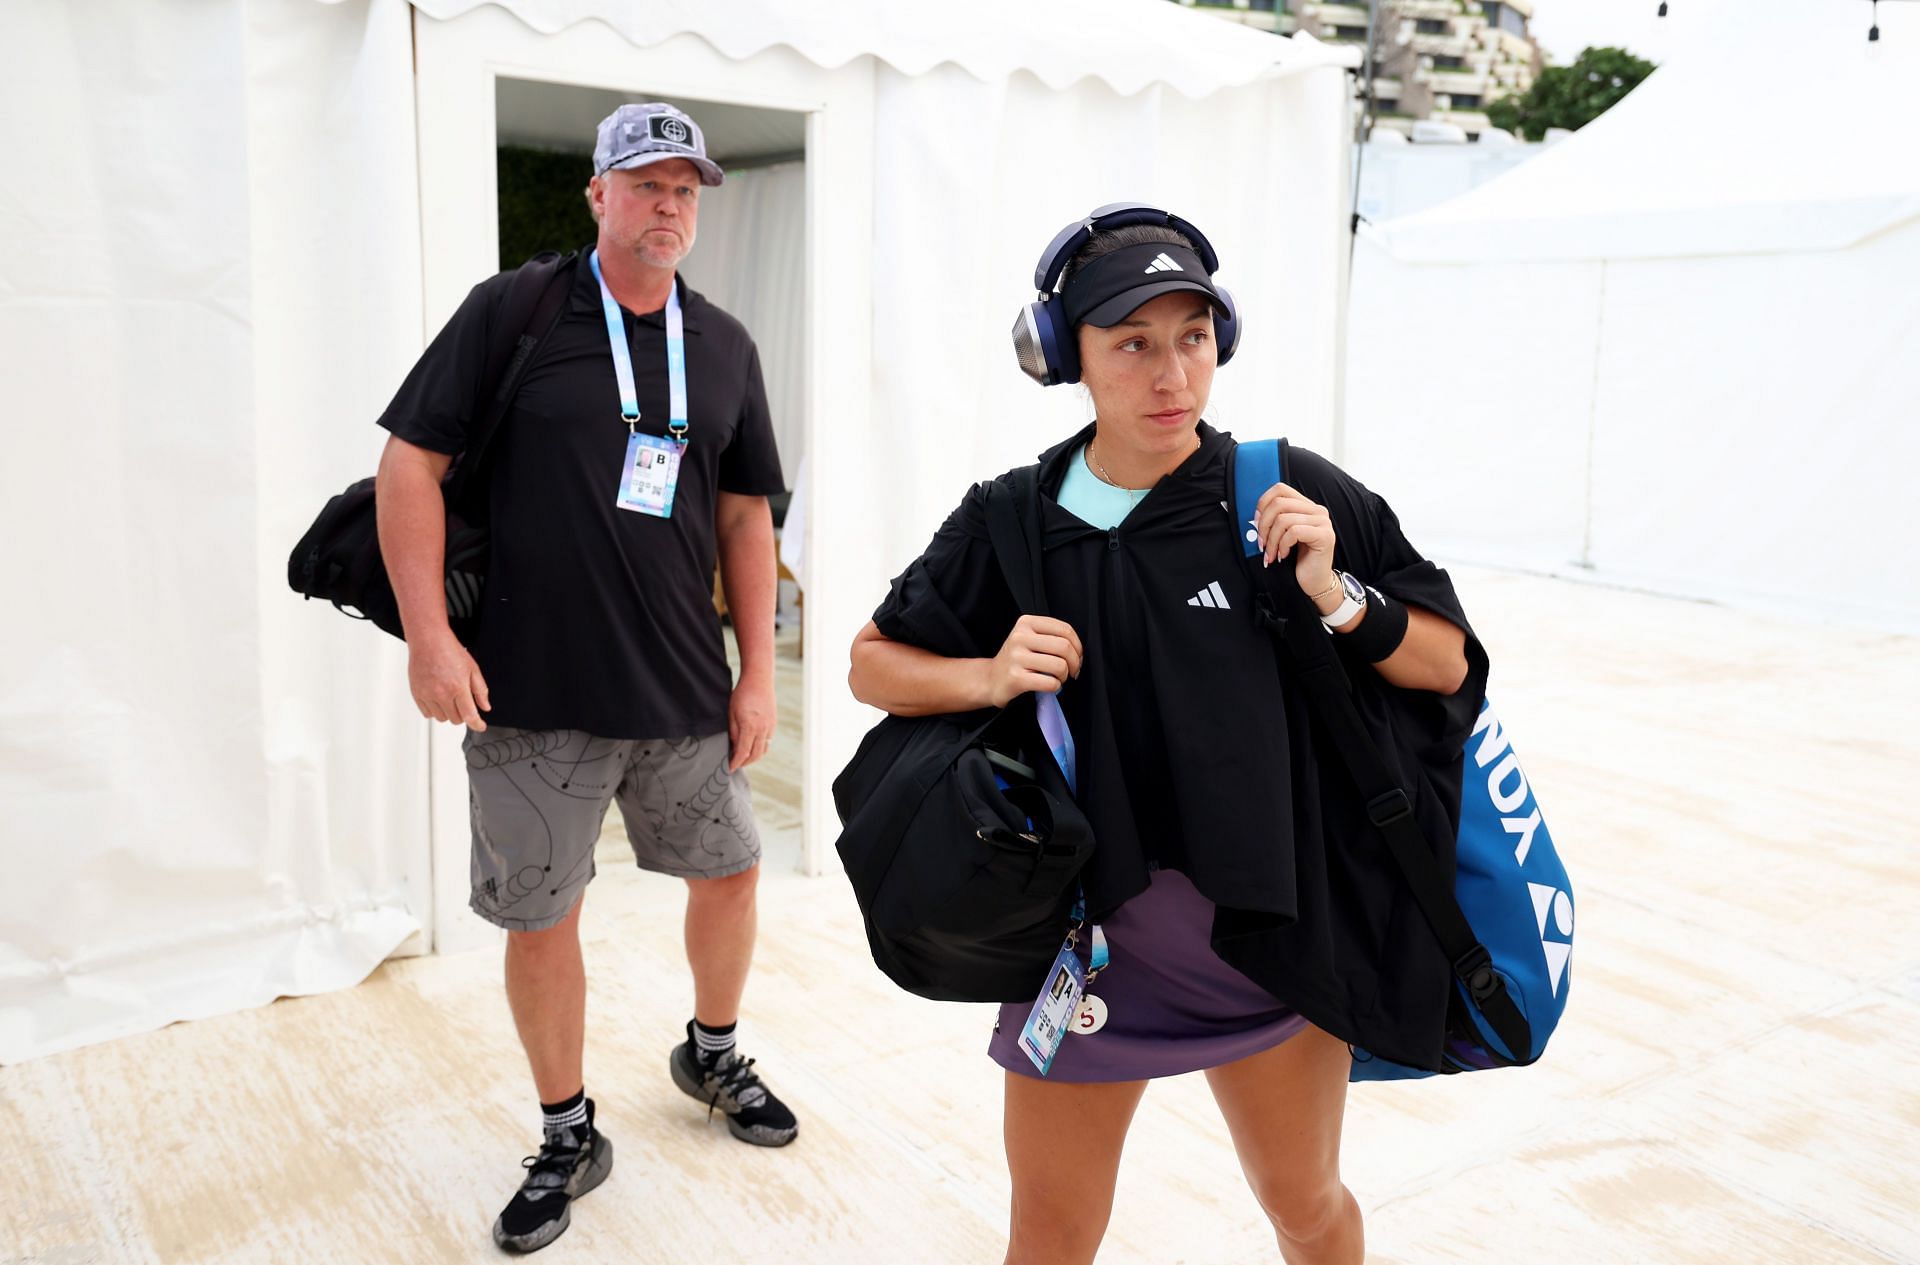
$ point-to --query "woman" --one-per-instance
(1254, 927)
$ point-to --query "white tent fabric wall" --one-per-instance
(1466, 403)
(214, 796)
(1629, 355)
(750, 258)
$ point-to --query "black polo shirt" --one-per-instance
(595, 617)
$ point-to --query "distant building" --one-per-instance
(1440, 60)
(1262, 15)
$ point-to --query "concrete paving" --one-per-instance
(1737, 1079)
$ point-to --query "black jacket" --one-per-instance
(1196, 754)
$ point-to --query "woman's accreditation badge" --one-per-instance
(1053, 1012)
(652, 473)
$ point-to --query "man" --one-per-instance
(597, 671)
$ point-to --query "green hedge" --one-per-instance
(543, 203)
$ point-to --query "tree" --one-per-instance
(1571, 96)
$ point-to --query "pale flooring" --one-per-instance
(1737, 1080)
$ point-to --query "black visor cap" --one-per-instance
(1112, 287)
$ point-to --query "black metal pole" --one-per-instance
(1366, 127)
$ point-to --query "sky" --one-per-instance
(1564, 27)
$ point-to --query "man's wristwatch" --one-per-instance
(1353, 599)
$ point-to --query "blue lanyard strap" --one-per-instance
(1053, 727)
(676, 369)
(623, 358)
(1059, 737)
(1098, 955)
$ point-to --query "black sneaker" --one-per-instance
(571, 1163)
(730, 1085)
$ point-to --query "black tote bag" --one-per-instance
(961, 837)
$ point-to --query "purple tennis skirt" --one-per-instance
(1170, 1004)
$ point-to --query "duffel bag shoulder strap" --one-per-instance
(1296, 628)
(1013, 526)
(536, 296)
(1013, 523)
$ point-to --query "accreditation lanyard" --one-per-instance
(1098, 947)
(1063, 1006)
(623, 359)
(1053, 727)
(1059, 739)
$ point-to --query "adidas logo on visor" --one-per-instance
(1211, 596)
(1162, 263)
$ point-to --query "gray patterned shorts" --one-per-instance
(540, 795)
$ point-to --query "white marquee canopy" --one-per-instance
(1127, 45)
(1680, 349)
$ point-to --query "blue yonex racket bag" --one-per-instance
(1505, 921)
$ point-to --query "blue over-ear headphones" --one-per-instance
(1043, 338)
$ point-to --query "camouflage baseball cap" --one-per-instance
(638, 135)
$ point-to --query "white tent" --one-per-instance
(1682, 348)
(228, 226)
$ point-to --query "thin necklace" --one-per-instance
(1110, 481)
(1106, 478)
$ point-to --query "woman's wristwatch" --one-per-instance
(1353, 600)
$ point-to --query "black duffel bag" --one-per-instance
(338, 559)
(961, 838)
